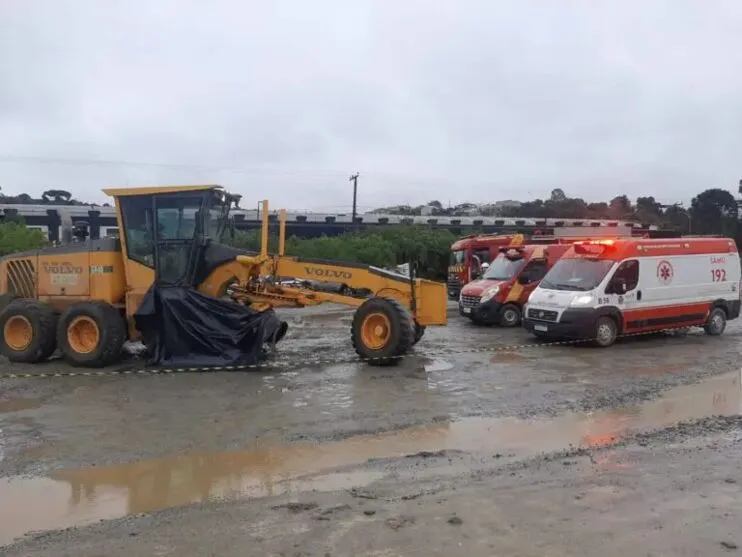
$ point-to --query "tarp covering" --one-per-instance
(183, 328)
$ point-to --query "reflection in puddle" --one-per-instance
(438, 365)
(78, 496)
(19, 404)
(507, 357)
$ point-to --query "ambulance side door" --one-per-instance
(623, 291)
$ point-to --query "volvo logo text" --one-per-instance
(328, 273)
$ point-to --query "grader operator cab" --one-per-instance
(170, 281)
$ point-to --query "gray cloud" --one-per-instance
(470, 100)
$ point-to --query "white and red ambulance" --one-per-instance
(599, 290)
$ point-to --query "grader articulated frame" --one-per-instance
(390, 319)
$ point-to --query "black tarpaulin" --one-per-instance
(183, 328)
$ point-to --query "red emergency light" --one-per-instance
(596, 242)
(593, 247)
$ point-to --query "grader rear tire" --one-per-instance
(5, 299)
(382, 331)
(28, 331)
(91, 334)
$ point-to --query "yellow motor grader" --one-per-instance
(86, 298)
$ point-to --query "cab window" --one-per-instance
(503, 268)
(178, 218)
(627, 272)
(535, 271)
(458, 257)
(137, 215)
(483, 255)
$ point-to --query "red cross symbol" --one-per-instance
(664, 272)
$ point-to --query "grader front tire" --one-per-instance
(28, 331)
(91, 334)
(382, 331)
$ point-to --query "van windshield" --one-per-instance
(503, 268)
(576, 274)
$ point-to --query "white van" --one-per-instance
(601, 289)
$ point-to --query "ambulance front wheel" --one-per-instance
(716, 322)
(606, 332)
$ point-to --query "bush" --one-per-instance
(383, 247)
(15, 237)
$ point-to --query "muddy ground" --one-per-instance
(518, 449)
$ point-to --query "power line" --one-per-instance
(411, 182)
(185, 166)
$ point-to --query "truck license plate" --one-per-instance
(467, 310)
(541, 328)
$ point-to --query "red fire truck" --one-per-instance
(467, 256)
(471, 255)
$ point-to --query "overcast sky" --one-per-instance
(456, 101)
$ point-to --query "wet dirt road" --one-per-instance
(525, 449)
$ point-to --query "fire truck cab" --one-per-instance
(599, 290)
(470, 256)
(498, 297)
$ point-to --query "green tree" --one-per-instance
(598, 210)
(15, 237)
(58, 197)
(387, 246)
(620, 207)
(558, 195)
(714, 211)
(648, 210)
(676, 217)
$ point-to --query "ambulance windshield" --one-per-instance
(576, 274)
(503, 268)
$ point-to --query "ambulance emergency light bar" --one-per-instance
(593, 247)
(595, 242)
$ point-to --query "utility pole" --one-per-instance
(354, 178)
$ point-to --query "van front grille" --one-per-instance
(543, 315)
(470, 301)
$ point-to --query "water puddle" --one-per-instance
(80, 496)
(18, 405)
(507, 357)
(438, 365)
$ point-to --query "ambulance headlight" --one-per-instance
(582, 300)
(489, 294)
